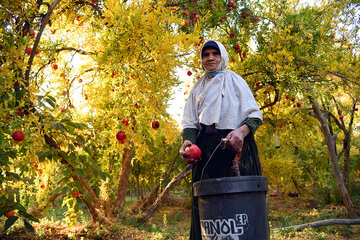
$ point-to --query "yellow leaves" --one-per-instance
(139, 42)
(290, 58)
(282, 52)
(271, 58)
(281, 57)
(141, 151)
(5, 72)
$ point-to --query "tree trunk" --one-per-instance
(296, 185)
(322, 223)
(141, 205)
(150, 199)
(95, 201)
(136, 173)
(96, 215)
(37, 211)
(346, 170)
(176, 180)
(137, 187)
(123, 179)
(111, 163)
(142, 190)
(331, 146)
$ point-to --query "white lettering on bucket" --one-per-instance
(224, 228)
(241, 219)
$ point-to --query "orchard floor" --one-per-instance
(172, 222)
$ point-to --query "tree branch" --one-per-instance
(142, 204)
(36, 210)
(276, 99)
(154, 207)
(321, 223)
(331, 72)
(251, 73)
(49, 140)
(74, 49)
(37, 40)
(175, 3)
(82, 3)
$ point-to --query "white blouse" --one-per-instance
(224, 100)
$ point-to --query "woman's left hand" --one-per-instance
(235, 139)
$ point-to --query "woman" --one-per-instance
(220, 108)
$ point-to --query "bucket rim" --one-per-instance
(231, 179)
(230, 185)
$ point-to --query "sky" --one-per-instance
(178, 102)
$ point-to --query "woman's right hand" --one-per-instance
(185, 155)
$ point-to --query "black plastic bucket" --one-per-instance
(233, 208)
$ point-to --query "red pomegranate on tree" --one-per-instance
(155, 124)
(9, 213)
(76, 194)
(120, 135)
(18, 136)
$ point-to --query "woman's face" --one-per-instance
(211, 59)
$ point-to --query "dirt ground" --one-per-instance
(174, 216)
(173, 219)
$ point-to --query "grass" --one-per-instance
(281, 213)
(289, 212)
(172, 221)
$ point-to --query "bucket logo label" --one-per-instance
(229, 229)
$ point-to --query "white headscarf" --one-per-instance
(224, 100)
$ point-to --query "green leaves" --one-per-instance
(13, 175)
(28, 226)
(42, 155)
(9, 222)
(80, 139)
(47, 99)
(18, 206)
(21, 212)
(4, 97)
(73, 124)
(51, 100)
(30, 217)
(20, 93)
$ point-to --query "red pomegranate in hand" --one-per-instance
(194, 151)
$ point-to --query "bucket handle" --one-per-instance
(235, 161)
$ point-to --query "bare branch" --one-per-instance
(37, 40)
(326, 222)
(175, 3)
(276, 99)
(150, 212)
(74, 49)
(251, 73)
(83, 3)
(341, 126)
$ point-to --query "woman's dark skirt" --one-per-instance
(220, 165)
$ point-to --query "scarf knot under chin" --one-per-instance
(213, 74)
